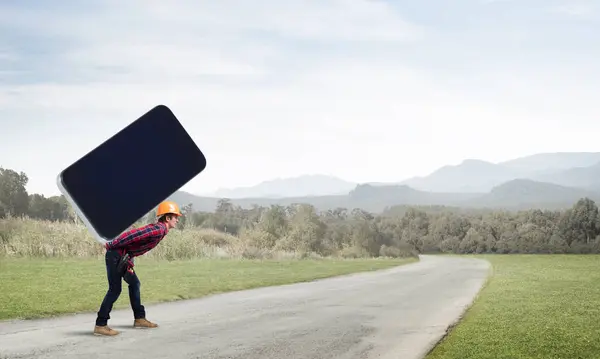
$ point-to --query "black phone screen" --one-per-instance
(128, 175)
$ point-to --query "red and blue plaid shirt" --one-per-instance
(138, 241)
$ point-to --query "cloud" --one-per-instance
(191, 44)
(334, 20)
(575, 9)
(220, 38)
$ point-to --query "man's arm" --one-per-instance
(133, 236)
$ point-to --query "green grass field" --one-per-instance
(533, 306)
(33, 288)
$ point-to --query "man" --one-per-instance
(132, 243)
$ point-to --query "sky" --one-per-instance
(363, 90)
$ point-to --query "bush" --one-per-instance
(25, 237)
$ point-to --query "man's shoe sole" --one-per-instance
(105, 335)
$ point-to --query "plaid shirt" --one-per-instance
(138, 241)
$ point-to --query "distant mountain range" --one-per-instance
(481, 176)
(308, 185)
(546, 180)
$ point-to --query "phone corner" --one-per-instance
(101, 239)
(97, 236)
(203, 163)
(163, 107)
(58, 180)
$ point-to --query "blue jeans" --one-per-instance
(114, 290)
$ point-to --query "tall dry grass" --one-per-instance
(23, 237)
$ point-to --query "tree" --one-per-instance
(13, 195)
(585, 220)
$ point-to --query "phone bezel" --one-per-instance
(77, 209)
(99, 238)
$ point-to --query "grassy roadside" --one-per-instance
(534, 306)
(34, 288)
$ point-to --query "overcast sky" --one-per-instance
(363, 90)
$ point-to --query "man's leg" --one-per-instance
(139, 312)
(113, 293)
(135, 299)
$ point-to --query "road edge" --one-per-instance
(450, 328)
(361, 273)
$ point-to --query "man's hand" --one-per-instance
(123, 264)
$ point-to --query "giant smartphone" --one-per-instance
(129, 174)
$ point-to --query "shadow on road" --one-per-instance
(122, 326)
(81, 333)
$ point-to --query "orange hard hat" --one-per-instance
(168, 207)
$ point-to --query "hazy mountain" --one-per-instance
(201, 203)
(482, 176)
(515, 194)
(551, 162)
(376, 198)
(582, 177)
(307, 185)
(550, 180)
(525, 193)
(468, 176)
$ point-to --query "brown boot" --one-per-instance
(144, 323)
(105, 330)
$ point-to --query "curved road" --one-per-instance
(396, 313)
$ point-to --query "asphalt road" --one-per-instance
(397, 313)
